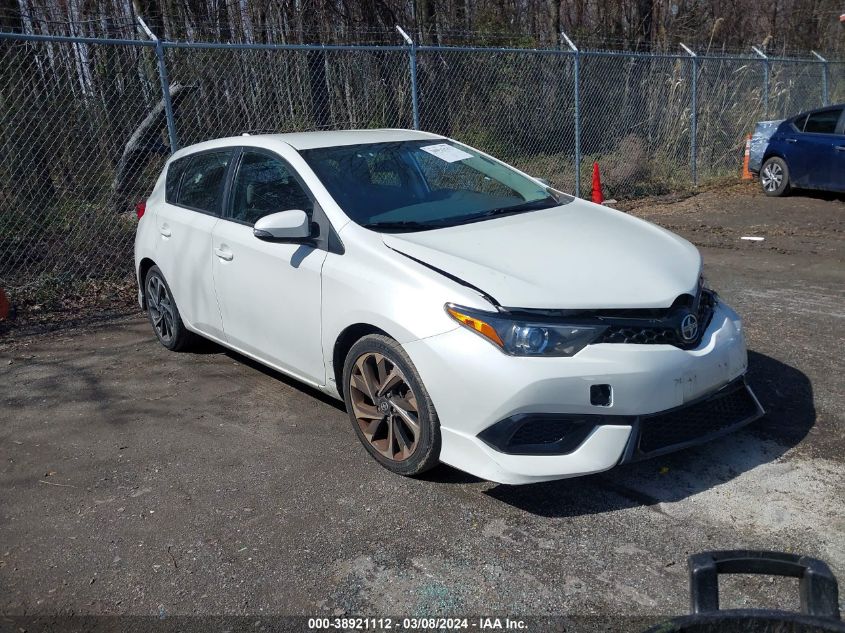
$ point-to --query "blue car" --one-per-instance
(806, 151)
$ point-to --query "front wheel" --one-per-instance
(389, 407)
(774, 177)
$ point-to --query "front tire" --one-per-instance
(389, 407)
(774, 177)
(163, 313)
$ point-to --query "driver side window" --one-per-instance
(264, 185)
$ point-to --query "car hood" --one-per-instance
(576, 256)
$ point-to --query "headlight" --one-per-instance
(526, 338)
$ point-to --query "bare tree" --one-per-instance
(30, 163)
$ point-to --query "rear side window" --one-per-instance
(174, 176)
(823, 122)
(203, 180)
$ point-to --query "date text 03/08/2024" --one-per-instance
(413, 624)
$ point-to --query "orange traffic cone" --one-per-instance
(746, 174)
(597, 196)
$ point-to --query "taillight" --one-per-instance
(140, 208)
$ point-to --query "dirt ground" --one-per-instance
(138, 481)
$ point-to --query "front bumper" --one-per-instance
(474, 386)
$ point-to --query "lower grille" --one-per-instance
(686, 425)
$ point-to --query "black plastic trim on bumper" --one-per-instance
(564, 433)
(634, 451)
(507, 436)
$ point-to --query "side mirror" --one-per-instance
(284, 226)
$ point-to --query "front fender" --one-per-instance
(373, 285)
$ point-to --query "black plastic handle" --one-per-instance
(817, 584)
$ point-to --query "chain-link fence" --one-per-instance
(85, 124)
(232, 90)
(67, 112)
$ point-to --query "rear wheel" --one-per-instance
(774, 177)
(164, 315)
(389, 407)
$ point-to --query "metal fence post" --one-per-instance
(412, 60)
(765, 80)
(825, 79)
(693, 127)
(577, 79)
(165, 86)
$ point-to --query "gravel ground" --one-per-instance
(137, 481)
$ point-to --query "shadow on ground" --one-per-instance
(827, 196)
(205, 346)
(785, 393)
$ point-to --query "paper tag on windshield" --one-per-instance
(446, 152)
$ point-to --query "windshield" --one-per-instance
(419, 185)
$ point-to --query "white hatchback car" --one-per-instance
(466, 312)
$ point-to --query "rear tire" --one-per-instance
(774, 177)
(389, 407)
(163, 313)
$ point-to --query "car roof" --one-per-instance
(311, 140)
(834, 106)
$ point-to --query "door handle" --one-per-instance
(224, 254)
(792, 140)
(839, 148)
(164, 230)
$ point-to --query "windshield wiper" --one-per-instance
(545, 203)
(527, 206)
(400, 226)
(404, 225)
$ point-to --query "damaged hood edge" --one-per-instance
(576, 256)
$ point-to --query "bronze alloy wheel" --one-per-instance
(385, 406)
